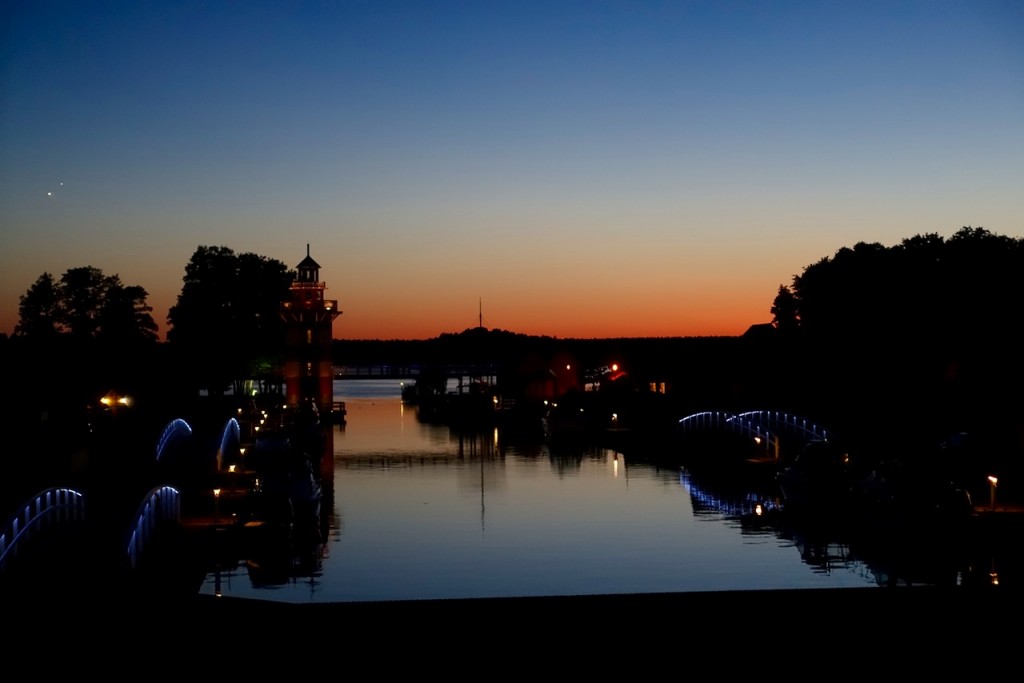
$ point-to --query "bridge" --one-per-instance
(412, 371)
(378, 371)
(768, 430)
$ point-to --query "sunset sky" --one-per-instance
(579, 169)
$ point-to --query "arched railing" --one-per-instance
(765, 439)
(786, 422)
(45, 510)
(230, 445)
(175, 433)
(709, 419)
(765, 427)
(762, 437)
(161, 504)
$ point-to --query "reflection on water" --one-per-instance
(416, 511)
(885, 551)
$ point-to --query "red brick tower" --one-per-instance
(309, 319)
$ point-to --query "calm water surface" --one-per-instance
(419, 512)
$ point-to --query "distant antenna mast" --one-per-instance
(481, 314)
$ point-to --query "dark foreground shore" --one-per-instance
(850, 630)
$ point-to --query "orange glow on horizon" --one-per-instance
(688, 302)
(398, 319)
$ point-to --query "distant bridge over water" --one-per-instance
(411, 371)
(382, 371)
(766, 428)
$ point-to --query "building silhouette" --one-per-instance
(309, 322)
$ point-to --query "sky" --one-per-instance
(571, 169)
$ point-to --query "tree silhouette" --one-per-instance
(226, 324)
(923, 333)
(86, 304)
(958, 290)
(39, 310)
(785, 312)
(76, 339)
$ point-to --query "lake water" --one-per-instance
(420, 512)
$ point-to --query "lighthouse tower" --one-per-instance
(309, 320)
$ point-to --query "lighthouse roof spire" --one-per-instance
(309, 270)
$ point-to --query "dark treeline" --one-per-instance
(714, 364)
(923, 334)
(695, 371)
(896, 348)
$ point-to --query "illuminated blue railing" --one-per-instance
(706, 420)
(176, 431)
(46, 510)
(162, 504)
(763, 426)
(230, 444)
(740, 424)
(788, 423)
(750, 503)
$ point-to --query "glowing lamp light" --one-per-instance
(992, 481)
(112, 400)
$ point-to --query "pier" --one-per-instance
(413, 372)
(380, 371)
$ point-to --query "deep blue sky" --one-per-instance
(582, 168)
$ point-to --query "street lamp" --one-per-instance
(992, 481)
(216, 506)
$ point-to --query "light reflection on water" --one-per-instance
(420, 512)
